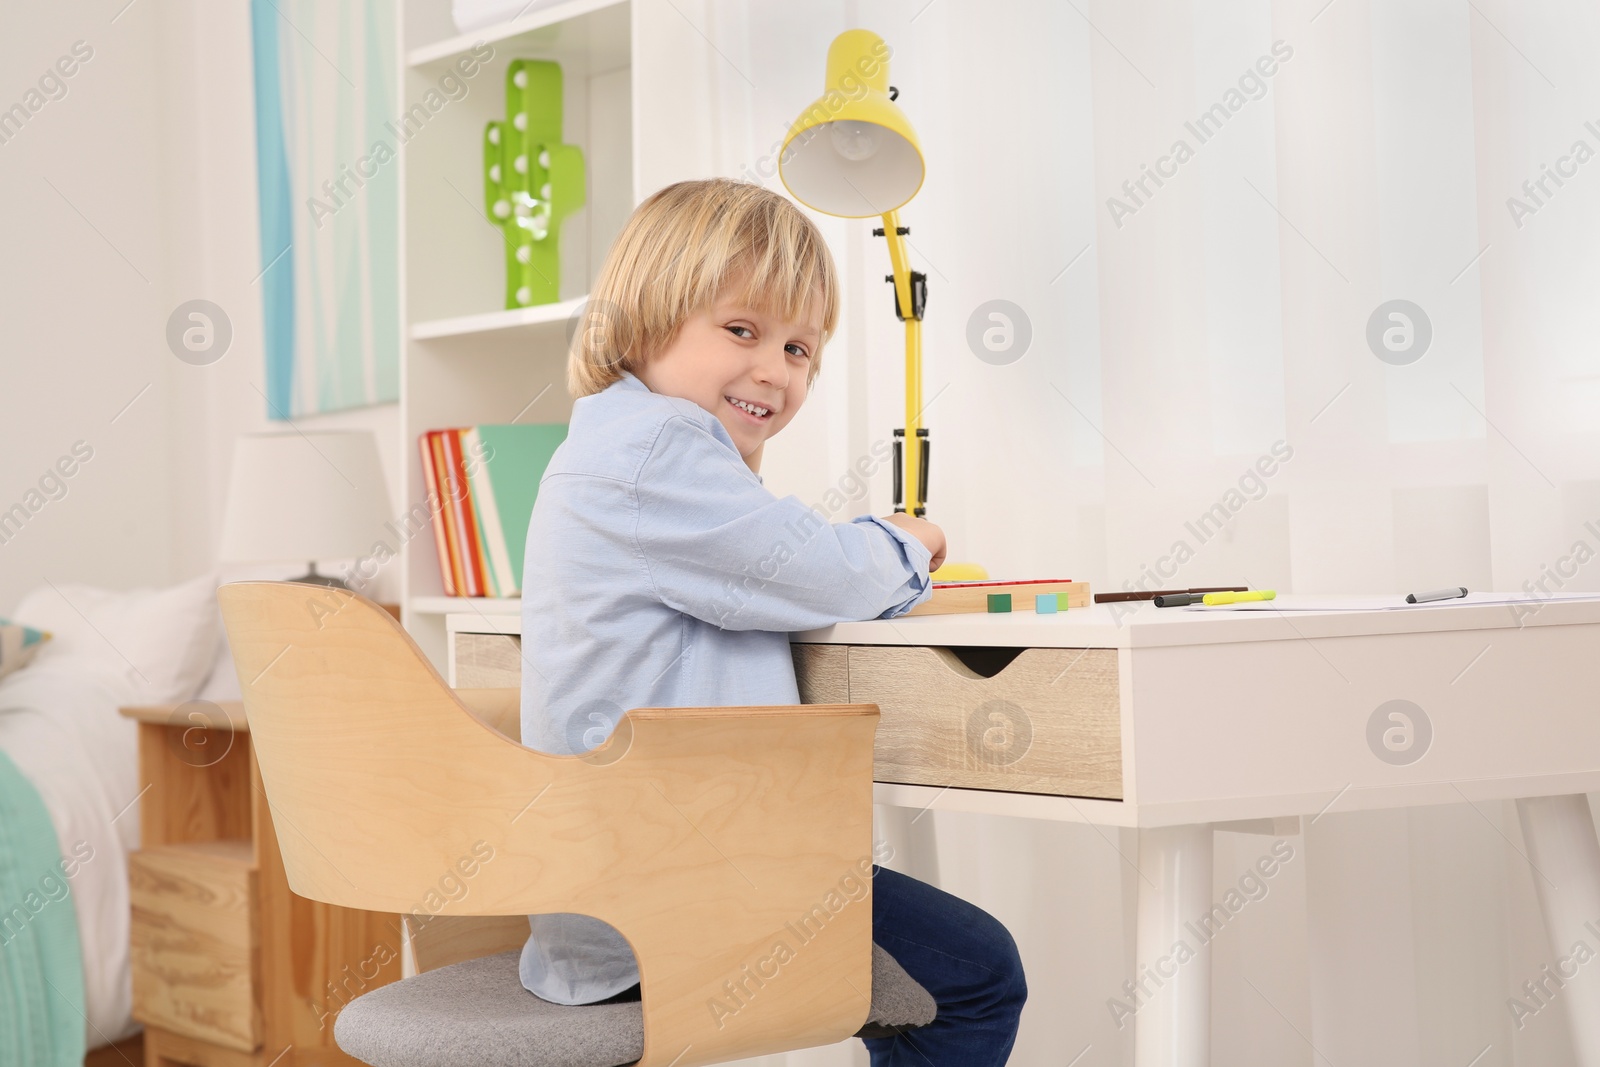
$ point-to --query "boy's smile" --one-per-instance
(746, 367)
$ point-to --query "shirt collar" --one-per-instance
(632, 381)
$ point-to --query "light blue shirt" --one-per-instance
(661, 572)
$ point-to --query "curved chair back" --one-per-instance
(730, 846)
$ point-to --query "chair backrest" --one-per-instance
(730, 846)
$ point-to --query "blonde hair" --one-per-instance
(673, 258)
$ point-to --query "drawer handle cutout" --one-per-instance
(985, 660)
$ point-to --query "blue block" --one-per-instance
(1045, 603)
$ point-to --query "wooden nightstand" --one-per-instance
(230, 968)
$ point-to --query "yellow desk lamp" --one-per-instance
(853, 154)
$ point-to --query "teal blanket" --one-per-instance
(42, 1018)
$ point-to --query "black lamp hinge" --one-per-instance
(919, 296)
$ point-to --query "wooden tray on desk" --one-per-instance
(954, 598)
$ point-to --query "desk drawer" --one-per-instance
(1046, 722)
(488, 661)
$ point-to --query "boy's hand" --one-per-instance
(930, 535)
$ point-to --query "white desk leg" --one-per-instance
(1173, 1024)
(1560, 835)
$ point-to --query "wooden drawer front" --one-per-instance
(1048, 722)
(488, 661)
(822, 672)
(196, 958)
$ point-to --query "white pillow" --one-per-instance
(162, 642)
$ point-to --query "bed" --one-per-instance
(61, 736)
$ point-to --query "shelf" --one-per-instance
(488, 623)
(530, 23)
(445, 605)
(537, 318)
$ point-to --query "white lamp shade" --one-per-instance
(884, 173)
(304, 496)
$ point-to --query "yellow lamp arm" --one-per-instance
(898, 261)
(912, 314)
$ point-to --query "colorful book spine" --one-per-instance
(480, 553)
(471, 473)
(441, 545)
(496, 552)
(486, 480)
(461, 512)
(447, 514)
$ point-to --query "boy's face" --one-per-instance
(731, 352)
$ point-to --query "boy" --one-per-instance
(661, 572)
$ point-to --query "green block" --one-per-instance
(999, 601)
(1045, 603)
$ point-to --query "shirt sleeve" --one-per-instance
(717, 545)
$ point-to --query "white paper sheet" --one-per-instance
(1385, 602)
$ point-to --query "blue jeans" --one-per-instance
(965, 958)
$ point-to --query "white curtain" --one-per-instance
(1338, 156)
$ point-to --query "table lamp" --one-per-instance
(304, 496)
(853, 154)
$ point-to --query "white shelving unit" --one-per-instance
(531, 321)
(466, 359)
(467, 605)
(548, 22)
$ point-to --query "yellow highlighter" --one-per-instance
(1239, 598)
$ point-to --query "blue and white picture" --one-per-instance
(325, 81)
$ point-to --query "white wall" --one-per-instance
(154, 143)
(213, 207)
(84, 283)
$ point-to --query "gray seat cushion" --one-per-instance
(477, 1013)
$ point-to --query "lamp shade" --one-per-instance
(303, 496)
(853, 152)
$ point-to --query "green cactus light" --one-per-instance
(531, 181)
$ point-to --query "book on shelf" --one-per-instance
(485, 480)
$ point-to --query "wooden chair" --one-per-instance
(709, 838)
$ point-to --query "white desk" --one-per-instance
(1240, 718)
